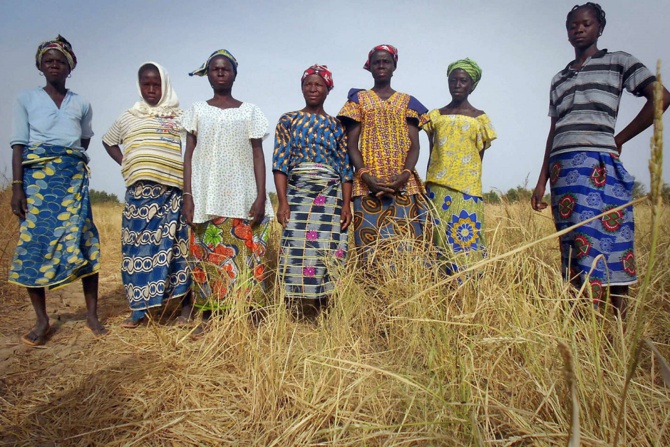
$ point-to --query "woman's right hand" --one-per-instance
(19, 203)
(375, 185)
(536, 199)
(187, 209)
(283, 213)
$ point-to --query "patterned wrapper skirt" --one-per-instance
(386, 217)
(312, 244)
(58, 241)
(458, 232)
(583, 185)
(154, 246)
(227, 261)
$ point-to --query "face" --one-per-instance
(150, 86)
(54, 66)
(382, 65)
(221, 73)
(583, 28)
(460, 84)
(315, 90)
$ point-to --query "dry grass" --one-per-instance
(475, 363)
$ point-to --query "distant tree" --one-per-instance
(665, 193)
(274, 200)
(639, 190)
(98, 197)
(518, 194)
(491, 197)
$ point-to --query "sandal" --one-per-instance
(35, 340)
(129, 323)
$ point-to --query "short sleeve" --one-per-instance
(189, 120)
(487, 132)
(87, 122)
(20, 125)
(428, 126)
(258, 124)
(352, 108)
(636, 75)
(281, 155)
(114, 136)
(552, 107)
(416, 111)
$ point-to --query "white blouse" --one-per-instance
(222, 167)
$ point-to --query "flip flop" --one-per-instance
(129, 323)
(37, 341)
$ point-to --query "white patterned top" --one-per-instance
(222, 168)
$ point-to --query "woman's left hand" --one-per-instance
(345, 217)
(19, 202)
(257, 211)
(397, 182)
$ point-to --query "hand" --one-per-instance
(19, 203)
(375, 185)
(536, 199)
(283, 213)
(188, 209)
(257, 211)
(345, 217)
(398, 182)
(619, 144)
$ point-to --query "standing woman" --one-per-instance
(581, 159)
(58, 241)
(313, 178)
(224, 189)
(154, 236)
(458, 134)
(383, 140)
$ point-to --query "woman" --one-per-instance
(58, 241)
(383, 140)
(313, 178)
(224, 189)
(154, 238)
(458, 134)
(581, 159)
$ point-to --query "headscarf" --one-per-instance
(61, 44)
(202, 71)
(470, 67)
(168, 105)
(321, 70)
(388, 48)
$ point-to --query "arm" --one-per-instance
(345, 216)
(536, 199)
(397, 182)
(257, 211)
(644, 119)
(188, 207)
(19, 203)
(85, 142)
(114, 152)
(283, 211)
(356, 158)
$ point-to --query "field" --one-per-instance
(406, 356)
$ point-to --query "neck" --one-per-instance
(459, 104)
(581, 54)
(224, 93)
(318, 109)
(381, 86)
(56, 87)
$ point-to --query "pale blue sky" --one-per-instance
(520, 45)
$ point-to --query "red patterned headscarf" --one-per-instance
(321, 70)
(61, 44)
(388, 48)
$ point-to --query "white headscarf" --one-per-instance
(168, 106)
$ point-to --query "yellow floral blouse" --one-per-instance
(457, 141)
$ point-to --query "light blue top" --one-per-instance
(36, 119)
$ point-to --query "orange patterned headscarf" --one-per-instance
(61, 44)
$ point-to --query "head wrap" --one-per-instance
(470, 67)
(202, 71)
(61, 44)
(321, 70)
(168, 105)
(388, 48)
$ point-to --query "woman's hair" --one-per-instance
(597, 11)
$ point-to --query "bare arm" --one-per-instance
(257, 211)
(283, 211)
(536, 199)
(397, 182)
(644, 118)
(85, 142)
(356, 158)
(345, 216)
(19, 203)
(114, 152)
(188, 206)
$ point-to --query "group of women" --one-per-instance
(321, 164)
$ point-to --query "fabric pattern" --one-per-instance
(222, 177)
(384, 139)
(585, 103)
(58, 241)
(583, 185)
(227, 259)
(313, 245)
(321, 70)
(458, 231)
(302, 137)
(393, 51)
(470, 67)
(154, 246)
(457, 141)
(59, 44)
(202, 70)
(167, 106)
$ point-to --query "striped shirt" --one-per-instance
(585, 102)
(151, 149)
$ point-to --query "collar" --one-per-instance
(599, 54)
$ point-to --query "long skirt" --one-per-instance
(458, 232)
(313, 245)
(58, 241)
(390, 217)
(583, 185)
(154, 246)
(227, 261)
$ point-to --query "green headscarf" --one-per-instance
(470, 67)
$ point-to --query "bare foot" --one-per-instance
(96, 327)
(38, 335)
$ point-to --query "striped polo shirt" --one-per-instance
(151, 149)
(585, 102)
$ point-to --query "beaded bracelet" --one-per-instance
(187, 194)
(17, 182)
(406, 170)
(363, 171)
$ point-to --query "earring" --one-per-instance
(69, 75)
(41, 74)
